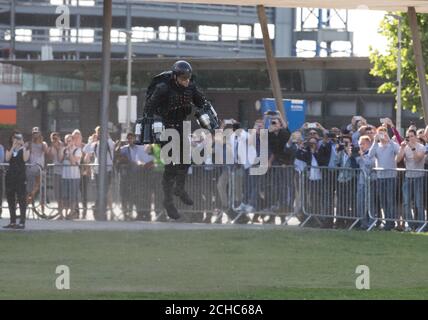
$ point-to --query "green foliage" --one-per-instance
(7, 126)
(385, 64)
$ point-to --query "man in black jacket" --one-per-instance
(316, 154)
(172, 101)
(279, 178)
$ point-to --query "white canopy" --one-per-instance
(383, 5)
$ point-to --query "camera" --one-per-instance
(331, 135)
(355, 151)
(341, 146)
(271, 113)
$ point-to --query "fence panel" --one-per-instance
(399, 198)
(34, 188)
(335, 197)
(275, 194)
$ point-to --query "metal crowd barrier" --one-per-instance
(331, 197)
(334, 196)
(86, 190)
(399, 196)
(143, 189)
(35, 176)
(274, 194)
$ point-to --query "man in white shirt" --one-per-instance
(244, 157)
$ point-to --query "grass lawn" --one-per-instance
(218, 264)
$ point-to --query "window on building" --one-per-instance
(347, 80)
(83, 35)
(258, 31)
(290, 80)
(83, 3)
(409, 114)
(245, 32)
(340, 48)
(143, 34)
(229, 32)
(342, 108)
(208, 33)
(306, 48)
(55, 35)
(313, 80)
(313, 108)
(118, 36)
(377, 109)
(170, 33)
(63, 113)
(23, 35)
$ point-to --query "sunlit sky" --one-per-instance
(365, 24)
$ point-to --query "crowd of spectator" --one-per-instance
(347, 173)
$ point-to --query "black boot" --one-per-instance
(180, 190)
(168, 203)
(171, 210)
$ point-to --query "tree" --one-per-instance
(385, 64)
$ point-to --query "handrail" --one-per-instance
(76, 36)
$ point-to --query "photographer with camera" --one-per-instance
(16, 180)
(38, 149)
(54, 154)
(280, 178)
(366, 164)
(314, 155)
(346, 182)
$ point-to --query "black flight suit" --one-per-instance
(173, 104)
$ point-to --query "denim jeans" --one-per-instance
(388, 199)
(363, 207)
(252, 189)
(413, 188)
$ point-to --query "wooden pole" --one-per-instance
(104, 115)
(271, 62)
(420, 65)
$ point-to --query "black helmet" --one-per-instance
(181, 68)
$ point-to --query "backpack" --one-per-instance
(162, 77)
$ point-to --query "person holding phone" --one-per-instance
(413, 154)
(384, 150)
(16, 180)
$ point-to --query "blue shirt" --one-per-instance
(1, 154)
